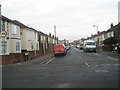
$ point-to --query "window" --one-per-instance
(112, 34)
(17, 46)
(14, 29)
(90, 43)
(2, 25)
(32, 47)
(42, 38)
(37, 47)
(3, 47)
(46, 46)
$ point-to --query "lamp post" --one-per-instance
(0, 19)
(97, 27)
(97, 33)
(55, 34)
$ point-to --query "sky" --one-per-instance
(74, 19)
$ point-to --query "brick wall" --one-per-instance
(21, 57)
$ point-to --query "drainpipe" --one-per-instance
(44, 48)
(35, 52)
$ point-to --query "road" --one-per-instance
(75, 70)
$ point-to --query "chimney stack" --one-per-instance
(112, 25)
(50, 34)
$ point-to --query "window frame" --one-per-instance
(17, 47)
(14, 29)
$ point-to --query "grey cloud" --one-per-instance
(73, 18)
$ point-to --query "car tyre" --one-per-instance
(55, 55)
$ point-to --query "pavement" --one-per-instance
(113, 54)
(42, 59)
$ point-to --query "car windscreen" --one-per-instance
(90, 43)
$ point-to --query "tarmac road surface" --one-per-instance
(75, 70)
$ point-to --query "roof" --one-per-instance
(32, 29)
(6, 19)
(20, 24)
(39, 32)
(9, 20)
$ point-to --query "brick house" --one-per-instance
(11, 50)
(29, 41)
(45, 43)
(113, 31)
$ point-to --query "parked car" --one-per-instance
(75, 46)
(81, 47)
(89, 45)
(78, 46)
(67, 47)
(60, 50)
(116, 48)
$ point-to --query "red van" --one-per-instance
(59, 49)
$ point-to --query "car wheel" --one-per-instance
(95, 51)
(55, 55)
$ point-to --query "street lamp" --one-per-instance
(55, 34)
(97, 33)
(0, 19)
(97, 27)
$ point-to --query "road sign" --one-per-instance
(3, 34)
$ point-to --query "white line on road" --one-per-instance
(87, 64)
(50, 60)
(113, 58)
(95, 54)
(101, 71)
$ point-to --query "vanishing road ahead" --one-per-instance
(75, 70)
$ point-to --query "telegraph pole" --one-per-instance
(0, 19)
(97, 33)
(55, 33)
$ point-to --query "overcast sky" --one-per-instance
(74, 19)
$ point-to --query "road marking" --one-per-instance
(105, 64)
(50, 60)
(64, 85)
(95, 54)
(101, 70)
(87, 64)
(113, 58)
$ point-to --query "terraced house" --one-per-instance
(23, 43)
(113, 31)
(11, 50)
(43, 43)
(46, 42)
(29, 41)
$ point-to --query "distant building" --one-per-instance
(113, 31)
(119, 12)
(65, 42)
(76, 42)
